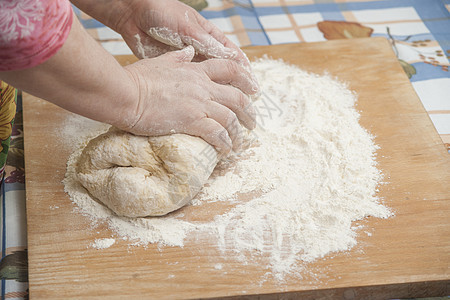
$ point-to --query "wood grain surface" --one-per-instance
(406, 256)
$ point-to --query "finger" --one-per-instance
(206, 45)
(227, 119)
(213, 133)
(225, 71)
(215, 50)
(218, 35)
(238, 102)
(183, 55)
(241, 57)
(198, 35)
(144, 46)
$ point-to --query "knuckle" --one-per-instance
(198, 93)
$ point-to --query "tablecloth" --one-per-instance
(419, 31)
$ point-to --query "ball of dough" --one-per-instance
(137, 176)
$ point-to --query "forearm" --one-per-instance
(112, 13)
(83, 78)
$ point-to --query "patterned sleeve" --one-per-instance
(32, 31)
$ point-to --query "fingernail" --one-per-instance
(256, 95)
(255, 86)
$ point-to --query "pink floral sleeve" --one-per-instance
(32, 31)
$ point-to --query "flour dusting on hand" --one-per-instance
(289, 199)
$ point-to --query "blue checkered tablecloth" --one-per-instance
(419, 31)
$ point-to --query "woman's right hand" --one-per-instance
(209, 99)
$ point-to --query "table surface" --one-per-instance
(417, 29)
(402, 253)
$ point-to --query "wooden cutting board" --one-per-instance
(407, 255)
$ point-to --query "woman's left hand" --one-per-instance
(153, 27)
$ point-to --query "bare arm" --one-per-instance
(112, 13)
(156, 96)
(83, 78)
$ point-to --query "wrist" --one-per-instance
(120, 15)
(128, 114)
(112, 13)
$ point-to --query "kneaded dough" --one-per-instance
(137, 176)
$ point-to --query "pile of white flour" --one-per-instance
(292, 197)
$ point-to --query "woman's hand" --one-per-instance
(207, 99)
(152, 27)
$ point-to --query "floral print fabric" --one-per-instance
(31, 31)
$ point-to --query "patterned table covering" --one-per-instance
(419, 31)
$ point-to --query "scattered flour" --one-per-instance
(290, 199)
(103, 243)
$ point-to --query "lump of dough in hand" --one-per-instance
(138, 176)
